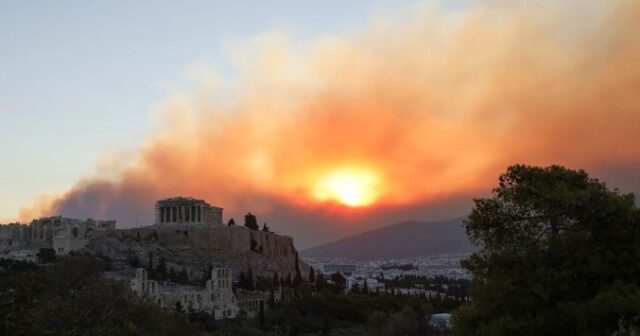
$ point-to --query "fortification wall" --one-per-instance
(195, 246)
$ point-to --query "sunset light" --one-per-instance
(351, 187)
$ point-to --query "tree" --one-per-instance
(134, 261)
(312, 275)
(320, 281)
(242, 280)
(161, 268)
(339, 280)
(265, 228)
(554, 245)
(251, 221)
(172, 275)
(297, 280)
(231, 222)
(250, 282)
(72, 297)
(184, 276)
(46, 255)
(276, 280)
(289, 281)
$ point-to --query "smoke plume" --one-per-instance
(434, 103)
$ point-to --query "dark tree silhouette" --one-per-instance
(251, 221)
(46, 255)
(558, 256)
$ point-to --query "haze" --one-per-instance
(329, 127)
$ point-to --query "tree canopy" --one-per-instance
(558, 255)
(251, 221)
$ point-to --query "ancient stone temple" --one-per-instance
(187, 210)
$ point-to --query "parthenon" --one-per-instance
(187, 210)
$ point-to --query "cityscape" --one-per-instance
(320, 168)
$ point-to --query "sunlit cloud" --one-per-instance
(411, 110)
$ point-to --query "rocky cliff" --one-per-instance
(195, 246)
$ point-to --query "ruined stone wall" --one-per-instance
(196, 246)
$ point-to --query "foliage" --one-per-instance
(46, 255)
(71, 297)
(251, 221)
(559, 256)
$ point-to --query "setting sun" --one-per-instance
(351, 187)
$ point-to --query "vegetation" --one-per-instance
(46, 255)
(71, 297)
(251, 221)
(331, 312)
(559, 256)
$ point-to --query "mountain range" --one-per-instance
(406, 239)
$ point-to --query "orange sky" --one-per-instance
(410, 116)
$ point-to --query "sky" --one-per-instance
(322, 118)
(80, 81)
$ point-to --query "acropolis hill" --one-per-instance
(189, 234)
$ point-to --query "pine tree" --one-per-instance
(251, 221)
(231, 222)
(161, 268)
(272, 299)
(297, 281)
(312, 275)
(173, 276)
(184, 277)
(242, 281)
(288, 281)
(250, 283)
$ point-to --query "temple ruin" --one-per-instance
(187, 210)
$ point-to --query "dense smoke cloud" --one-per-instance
(436, 104)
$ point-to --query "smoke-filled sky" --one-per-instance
(407, 113)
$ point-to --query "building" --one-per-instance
(440, 321)
(67, 234)
(188, 211)
(216, 298)
(68, 240)
(329, 269)
(63, 234)
(371, 284)
(13, 236)
(44, 229)
(142, 286)
(22, 255)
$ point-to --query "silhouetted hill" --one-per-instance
(406, 239)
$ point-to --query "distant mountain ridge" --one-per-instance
(406, 239)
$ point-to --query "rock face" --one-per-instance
(195, 247)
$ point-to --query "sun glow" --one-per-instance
(351, 187)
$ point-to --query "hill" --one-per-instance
(406, 239)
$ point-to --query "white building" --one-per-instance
(142, 286)
(22, 255)
(68, 240)
(440, 321)
(216, 298)
(343, 269)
